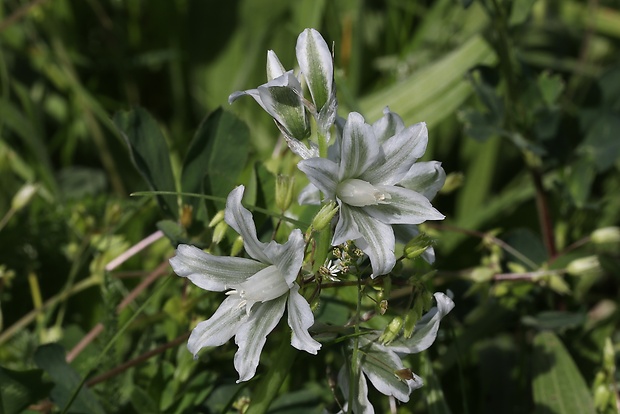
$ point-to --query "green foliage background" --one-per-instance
(522, 101)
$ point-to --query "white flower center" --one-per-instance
(263, 286)
(360, 193)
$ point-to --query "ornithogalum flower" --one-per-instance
(364, 176)
(258, 290)
(382, 364)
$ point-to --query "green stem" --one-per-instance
(269, 386)
(322, 144)
(355, 365)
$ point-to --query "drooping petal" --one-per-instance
(426, 178)
(426, 329)
(403, 207)
(346, 228)
(377, 241)
(310, 194)
(252, 335)
(388, 125)
(361, 404)
(400, 152)
(359, 147)
(240, 219)
(380, 365)
(220, 327)
(300, 319)
(214, 273)
(406, 232)
(315, 62)
(288, 257)
(274, 66)
(250, 92)
(264, 286)
(321, 172)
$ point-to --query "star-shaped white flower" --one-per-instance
(364, 177)
(382, 364)
(258, 290)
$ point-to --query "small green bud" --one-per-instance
(237, 246)
(606, 235)
(391, 331)
(416, 246)
(284, 191)
(219, 232)
(383, 306)
(217, 219)
(325, 215)
(23, 196)
(585, 266)
(453, 181)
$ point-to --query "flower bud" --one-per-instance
(284, 191)
(23, 196)
(237, 246)
(219, 232)
(606, 235)
(391, 331)
(453, 181)
(585, 266)
(416, 246)
(217, 219)
(324, 217)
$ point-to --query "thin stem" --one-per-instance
(355, 362)
(18, 14)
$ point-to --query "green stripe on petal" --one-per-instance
(289, 257)
(240, 219)
(220, 327)
(213, 273)
(321, 172)
(403, 207)
(300, 319)
(377, 241)
(315, 62)
(359, 147)
(426, 178)
(253, 333)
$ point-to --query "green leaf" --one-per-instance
(19, 389)
(558, 386)
(433, 393)
(555, 320)
(216, 156)
(551, 87)
(51, 358)
(149, 153)
(601, 144)
(520, 11)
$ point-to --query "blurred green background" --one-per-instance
(522, 102)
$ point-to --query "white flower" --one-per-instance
(258, 290)
(382, 364)
(364, 174)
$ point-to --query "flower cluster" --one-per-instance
(370, 172)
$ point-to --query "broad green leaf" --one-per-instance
(19, 389)
(557, 321)
(150, 154)
(601, 145)
(51, 358)
(216, 156)
(558, 386)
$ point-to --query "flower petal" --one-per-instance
(400, 152)
(316, 64)
(274, 66)
(310, 194)
(252, 335)
(321, 172)
(288, 257)
(213, 273)
(266, 285)
(377, 241)
(219, 328)
(300, 319)
(359, 147)
(346, 229)
(426, 329)
(361, 404)
(240, 219)
(404, 207)
(388, 125)
(426, 178)
(380, 365)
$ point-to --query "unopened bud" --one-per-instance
(237, 246)
(418, 245)
(585, 266)
(606, 235)
(219, 232)
(284, 191)
(23, 196)
(391, 331)
(453, 181)
(325, 215)
(217, 219)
